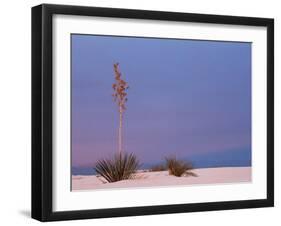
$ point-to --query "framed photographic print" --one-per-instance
(145, 112)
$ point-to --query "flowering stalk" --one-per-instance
(120, 97)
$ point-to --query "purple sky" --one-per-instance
(186, 97)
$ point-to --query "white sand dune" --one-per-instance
(162, 178)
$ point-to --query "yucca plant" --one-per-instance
(121, 167)
(178, 168)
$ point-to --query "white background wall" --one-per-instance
(15, 105)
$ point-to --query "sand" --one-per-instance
(162, 178)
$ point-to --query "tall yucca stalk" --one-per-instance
(120, 97)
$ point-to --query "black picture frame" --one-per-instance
(42, 107)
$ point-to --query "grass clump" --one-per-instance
(121, 167)
(160, 167)
(178, 168)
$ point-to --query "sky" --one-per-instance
(187, 98)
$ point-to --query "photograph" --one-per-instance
(159, 112)
(145, 112)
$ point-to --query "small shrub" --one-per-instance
(121, 167)
(160, 167)
(178, 168)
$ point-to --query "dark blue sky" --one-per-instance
(187, 98)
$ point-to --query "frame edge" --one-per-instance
(270, 112)
(36, 68)
(41, 204)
